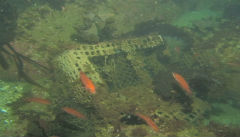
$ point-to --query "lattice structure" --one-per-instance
(111, 61)
(127, 68)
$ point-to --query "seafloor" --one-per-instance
(130, 50)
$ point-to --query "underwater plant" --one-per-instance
(8, 25)
(19, 59)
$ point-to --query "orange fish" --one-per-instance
(182, 82)
(39, 100)
(87, 83)
(148, 121)
(73, 112)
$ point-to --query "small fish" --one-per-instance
(182, 82)
(39, 100)
(87, 83)
(73, 112)
(148, 121)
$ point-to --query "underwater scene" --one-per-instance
(119, 68)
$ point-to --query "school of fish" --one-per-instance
(89, 85)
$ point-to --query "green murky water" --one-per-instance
(149, 68)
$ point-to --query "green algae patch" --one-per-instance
(140, 131)
(187, 19)
(224, 114)
(104, 130)
(16, 115)
(47, 27)
(9, 93)
(195, 132)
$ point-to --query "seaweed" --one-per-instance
(139, 132)
(223, 130)
(231, 11)
(7, 34)
(8, 16)
(107, 32)
(162, 28)
(18, 59)
(3, 62)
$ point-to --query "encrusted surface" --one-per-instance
(73, 61)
